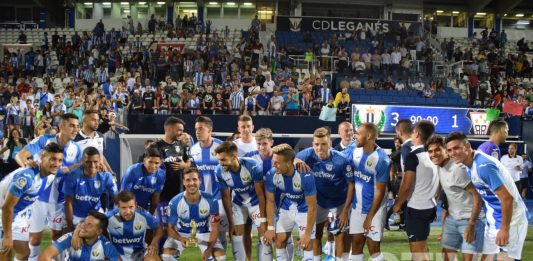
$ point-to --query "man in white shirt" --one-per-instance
(276, 104)
(385, 61)
(360, 66)
(396, 57)
(269, 84)
(419, 85)
(355, 83)
(399, 86)
(58, 109)
(513, 163)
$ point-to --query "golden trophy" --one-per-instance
(192, 241)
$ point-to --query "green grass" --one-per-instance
(394, 246)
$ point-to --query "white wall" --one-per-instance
(460, 32)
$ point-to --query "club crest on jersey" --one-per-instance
(21, 182)
(297, 184)
(138, 226)
(246, 178)
(213, 153)
(203, 212)
(329, 167)
(97, 184)
(95, 253)
(177, 148)
(369, 163)
(153, 180)
(62, 238)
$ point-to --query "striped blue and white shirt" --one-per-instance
(128, 236)
(242, 183)
(206, 161)
(488, 175)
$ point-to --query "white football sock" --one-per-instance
(35, 251)
(290, 248)
(357, 257)
(238, 248)
(281, 254)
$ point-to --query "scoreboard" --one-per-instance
(470, 121)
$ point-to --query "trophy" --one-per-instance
(192, 241)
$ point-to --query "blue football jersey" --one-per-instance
(26, 185)
(206, 161)
(71, 154)
(182, 212)
(488, 174)
(143, 184)
(101, 249)
(86, 191)
(241, 183)
(369, 168)
(294, 189)
(266, 164)
(331, 176)
(128, 236)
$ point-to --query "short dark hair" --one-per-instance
(371, 127)
(90, 151)
(456, 135)
(52, 148)
(152, 151)
(496, 126)
(425, 129)
(90, 111)
(435, 139)
(124, 196)
(67, 116)
(226, 147)
(102, 218)
(191, 170)
(173, 120)
(405, 126)
(206, 120)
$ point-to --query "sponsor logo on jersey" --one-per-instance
(359, 174)
(21, 182)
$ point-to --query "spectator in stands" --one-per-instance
(22, 39)
(376, 61)
(355, 83)
(419, 85)
(360, 66)
(399, 86)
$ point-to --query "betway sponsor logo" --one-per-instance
(245, 189)
(29, 198)
(205, 167)
(143, 188)
(135, 240)
(325, 175)
(198, 224)
(359, 174)
(294, 196)
(87, 198)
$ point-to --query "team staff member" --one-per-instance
(25, 184)
(507, 224)
(418, 188)
(89, 137)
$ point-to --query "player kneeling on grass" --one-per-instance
(127, 229)
(94, 246)
(193, 212)
(298, 206)
(23, 187)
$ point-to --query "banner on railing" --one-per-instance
(307, 23)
